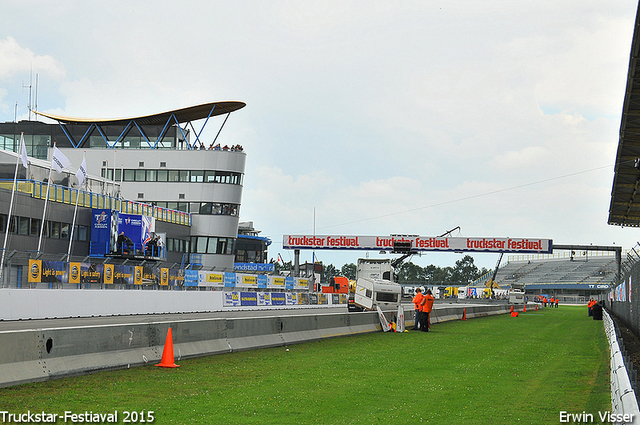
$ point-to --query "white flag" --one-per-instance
(59, 161)
(81, 174)
(23, 152)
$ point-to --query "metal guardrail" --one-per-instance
(623, 397)
(68, 195)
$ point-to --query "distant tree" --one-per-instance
(349, 271)
(329, 271)
(411, 274)
(280, 267)
(465, 271)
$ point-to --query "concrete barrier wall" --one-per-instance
(41, 354)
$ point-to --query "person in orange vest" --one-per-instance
(544, 301)
(556, 302)
(550, 301)
(427, 306)
(417, 302)
(592, 302)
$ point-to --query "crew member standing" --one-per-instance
(417, 302)
(427, 306)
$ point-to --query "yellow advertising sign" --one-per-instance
(35, 271)
(278, 281)
(215, 278)
(248, 279)
(164, 276)
(74, 272)
(108, 273)
(137, 280)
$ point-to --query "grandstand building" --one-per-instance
(154, 160)
(570, 276)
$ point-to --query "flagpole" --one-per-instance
(46, 199)
(75, 211)
(6, 233)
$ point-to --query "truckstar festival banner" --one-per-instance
(419, 243)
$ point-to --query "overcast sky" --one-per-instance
(412, 117)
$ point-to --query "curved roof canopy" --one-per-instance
(624, 209)
(192, 113)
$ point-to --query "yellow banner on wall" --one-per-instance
(35, 271)
(74, 272)
(137, 280)
(108, 273)
(164, 277)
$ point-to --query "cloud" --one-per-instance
(15, 59)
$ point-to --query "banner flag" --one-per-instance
(59, 161)
(81, 174)
(23, 152)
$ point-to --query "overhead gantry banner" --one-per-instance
(419, 243)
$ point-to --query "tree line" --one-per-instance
(463, 273)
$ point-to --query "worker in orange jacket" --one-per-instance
(417, 302)
(427, 306)
(590, 305)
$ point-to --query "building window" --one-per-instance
(141, 164)
(163, 164)
(140, 195)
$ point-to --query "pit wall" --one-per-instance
(47, 353)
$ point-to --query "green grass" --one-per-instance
(494, 370)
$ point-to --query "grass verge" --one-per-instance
(494, 370)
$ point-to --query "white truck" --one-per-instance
(375, 268)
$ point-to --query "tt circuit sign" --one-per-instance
(419, 243)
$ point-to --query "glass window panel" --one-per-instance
(118, 174)
(129, 175)
(151, 175)
(209, 176)
(222, 245)
(205, 208)
(140, 175)
(201, 244)
(184, 175)
(23, 226)
(163, 175)
(3, 222)
(170, 244)
(55, 230)
(13, 224)
(197, 176)
(64, 230)
(212, 246)
(174, 175)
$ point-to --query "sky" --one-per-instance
(363, 118)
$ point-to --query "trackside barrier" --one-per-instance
(623, 398)
(44, 352)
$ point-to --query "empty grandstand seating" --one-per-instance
(595, 269)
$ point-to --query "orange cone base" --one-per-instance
(514, 314)
(167, 353)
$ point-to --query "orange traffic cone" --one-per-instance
(536, 307)
(514, 314)
(512, 309)
(167, 353)
(525, 309)
(464, 314)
